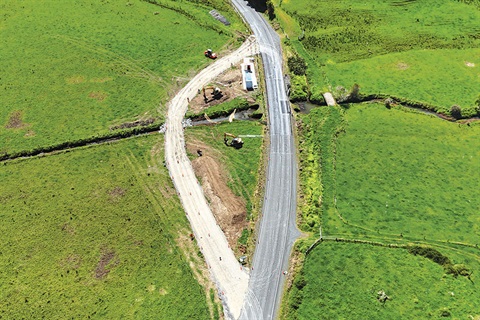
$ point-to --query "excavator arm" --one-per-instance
(237, 142)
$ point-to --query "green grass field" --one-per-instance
(426, 51)
(390, 172)
(391, 176)
(400, 172)
(438, 77)
(72, 70)
(341, 281)
(94, 233)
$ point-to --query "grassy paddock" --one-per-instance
(401, 172)
(438, 77)
(92, 233)
(72, 70)
(341, 281)
(426, 51)
(387, 176)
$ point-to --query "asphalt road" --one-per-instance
(277, 231)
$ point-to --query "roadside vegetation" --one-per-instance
(374, 176)
(96, 233)
(421, 51)
(73, 70)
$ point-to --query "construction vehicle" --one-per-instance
(236, 142)
(216, 93)
(210, 54)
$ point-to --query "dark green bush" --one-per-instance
(456, 112)
(431, 254)
(297, 65)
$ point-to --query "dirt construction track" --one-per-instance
(229, 276)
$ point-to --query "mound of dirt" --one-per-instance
(229, 209)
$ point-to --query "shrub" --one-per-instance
(340, 94)
(299, 89)
(297, 65)
(459, 270)
(431, 254)
(389, 102)
(354, 95)
(270, 10)
(456, 112)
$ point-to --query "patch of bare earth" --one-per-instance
(97, 95)
(68, 229)
(15, 120)
(116, 193)
(106, 256)
(229, 82)
(229, 209)
(469, 64)
(199, 268)
(138, 123)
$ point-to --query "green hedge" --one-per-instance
(222, 109)
(125, 133)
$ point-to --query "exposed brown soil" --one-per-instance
(296, 264)
(117, 193)
(30, 133)
(15, 120)
(230, 83)
(106, 256)
(229, 210)
(97, 95)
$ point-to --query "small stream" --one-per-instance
(305, 107)
(244, 115)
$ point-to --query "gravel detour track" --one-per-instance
(229, 276)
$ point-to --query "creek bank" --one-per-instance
(67, 145)
(306, 106)
(242, 110)
(245, 115)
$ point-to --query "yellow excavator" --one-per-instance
(216, 93)
(236, 142)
